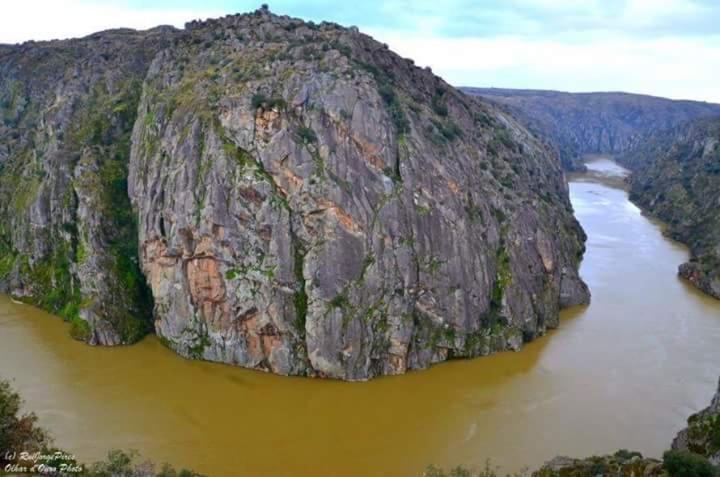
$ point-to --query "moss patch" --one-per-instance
(503, 278)
(80, 329)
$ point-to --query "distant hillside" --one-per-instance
(582, 123)
(676, 176)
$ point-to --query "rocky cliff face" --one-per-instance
(676, 176)
(307, 203)
(67, 234)
(602, 123)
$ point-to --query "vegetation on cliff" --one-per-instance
(298, 198)
(676, 177)
(68, 237)
(671, 147)
(593, 123)
(288, 221)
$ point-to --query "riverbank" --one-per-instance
(676, 177)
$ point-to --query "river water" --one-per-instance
(624, 372)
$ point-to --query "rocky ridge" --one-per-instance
(304, 201)
(676, 177)
(594, 123)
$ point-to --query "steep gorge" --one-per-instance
(304, 201)
(676, 177)
(576, 124)
(670, 146)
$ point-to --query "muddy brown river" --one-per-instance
(624, 372)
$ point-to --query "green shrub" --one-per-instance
(6, 265)
(300, 297)
(715, 433)
(122, 463)
(387, 93)
(260, 100)
(486, 471)
(503, 136)
(306, 135)
(448, 129)
(80, 329)
(339, 301)
(599, 468)
(624, 454)
(17, 432)
(687, 464)
(397, 114)
(392, 174)
(438, 103)
(342, 48)
(400, 121)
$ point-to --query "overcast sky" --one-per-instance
(662, 47)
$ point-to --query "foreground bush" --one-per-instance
(687, 464)
(123, 464)
(17, 432)
(487, 471)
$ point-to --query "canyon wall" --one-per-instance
(676, 177)
(593, 123)
(68, 238)
(278, 195)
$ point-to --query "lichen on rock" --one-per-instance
(68, 234)
(298, 198)
(292, 160)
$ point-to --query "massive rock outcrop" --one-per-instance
(676, 177)
(309, 203)
(67, 234)
(594, 123)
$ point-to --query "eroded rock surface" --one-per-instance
(67, 235)
(311, 203)
(304, 201)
